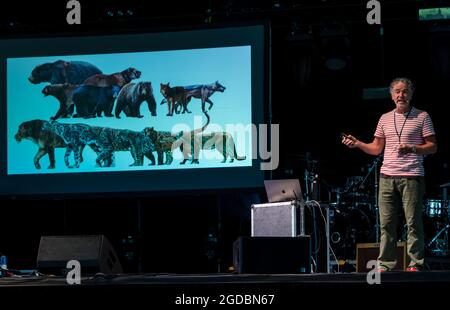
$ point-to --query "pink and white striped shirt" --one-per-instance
(412, 130)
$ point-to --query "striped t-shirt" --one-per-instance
(417, 127)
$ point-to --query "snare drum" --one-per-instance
(436, 208)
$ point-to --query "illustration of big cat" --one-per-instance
(165, 142)
(104, 141)
(75, 136)
(47, 140)
(110, 140)
(192, 142)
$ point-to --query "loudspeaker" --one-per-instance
(272, 255)
(94, 253)
(370, 251)
(282, 219)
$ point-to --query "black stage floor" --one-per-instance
(226, 289)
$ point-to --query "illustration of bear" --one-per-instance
(117, 79)
(131, 96)
(64, 94)
(60, 72)
(91, 100)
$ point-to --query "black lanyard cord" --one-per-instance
(399, 135)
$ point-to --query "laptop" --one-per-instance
(283, 190)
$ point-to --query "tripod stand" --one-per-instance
(374, 167)
(441, 245)
(440, 251)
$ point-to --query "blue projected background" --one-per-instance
(230, 66)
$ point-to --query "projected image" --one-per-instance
(129, 111)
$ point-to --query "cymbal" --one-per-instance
(445, 185)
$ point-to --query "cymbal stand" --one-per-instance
(435, 239)
(307, 178)
(312, 190)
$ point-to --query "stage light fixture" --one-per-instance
(434, 14)
(335, 47)
(120, 13)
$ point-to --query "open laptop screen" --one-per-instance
(283, 190)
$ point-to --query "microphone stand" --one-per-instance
(374, 167)
(307, 184)
(301, 206)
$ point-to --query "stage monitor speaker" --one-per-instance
(94, 252)
(369, 251)
(272, 255)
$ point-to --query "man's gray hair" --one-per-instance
(404, 80)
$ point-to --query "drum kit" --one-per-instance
(354, 219)
(350, 224)
(354, 214)
(436, 225)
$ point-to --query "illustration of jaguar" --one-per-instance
(75, 136)
(111, 140)
(162, 141)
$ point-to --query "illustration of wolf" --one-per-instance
(202, 92)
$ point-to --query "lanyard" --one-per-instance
(401, 130)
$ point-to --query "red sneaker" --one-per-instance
(412, 269)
